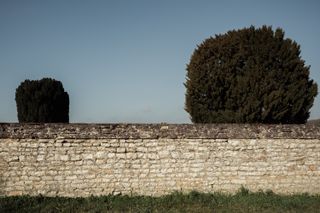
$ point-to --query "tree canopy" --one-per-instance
(42, 101)
(249, 76)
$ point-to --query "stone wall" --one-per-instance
(155, 159)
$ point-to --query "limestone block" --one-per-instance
(188, 155)
(142, 149)
(111, 155)
(40, 157)
(100, 154)
(120, 155)
(164, 154)
(87, 156)
(121, 150)
(12, 158)
(75, 157)
(131, 156)
(64, 157)
(153, 156)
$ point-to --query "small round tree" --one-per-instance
(42, 101)
(249, 76)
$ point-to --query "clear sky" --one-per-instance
(125, 61)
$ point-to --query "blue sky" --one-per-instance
(125, 61)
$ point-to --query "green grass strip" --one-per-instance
(243, 201)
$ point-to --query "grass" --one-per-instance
(243, 201)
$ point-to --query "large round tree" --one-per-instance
(249, 76)
(42, 101)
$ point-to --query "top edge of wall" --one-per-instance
(155, 131)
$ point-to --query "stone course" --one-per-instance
(154, 159)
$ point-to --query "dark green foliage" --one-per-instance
(243, 201)
(42, 101)
(249, 76)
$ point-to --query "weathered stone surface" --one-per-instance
(84, 159)
(156, 131)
